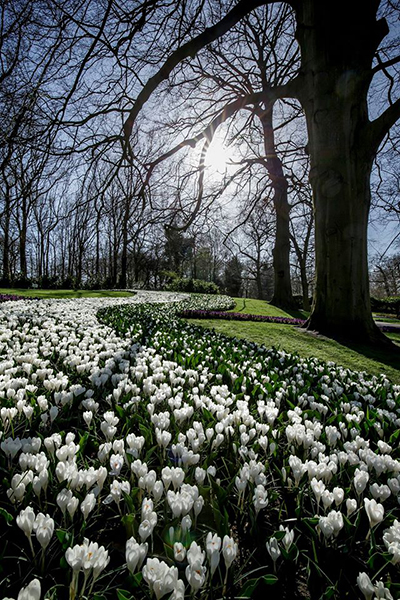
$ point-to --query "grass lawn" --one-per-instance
(65, 293)
(291, 339)
(250, 306)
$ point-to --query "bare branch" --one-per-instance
(189, 49)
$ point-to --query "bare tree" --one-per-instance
(332, 85)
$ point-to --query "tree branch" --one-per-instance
(380, 127)
(189, 49)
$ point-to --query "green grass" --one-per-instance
(250, 306)
(65, 293)
(291, 339)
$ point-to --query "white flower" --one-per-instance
(273, 549)
(179, 591)
(196, 575)
(72, 505)
(146, 527)
(87, 417)
(147, 507)
(229, 550)
(361, 479)
(365, 585)
(391, 538)
(74, 556)
(374, 510)
(213, 547)
(26, 520)
(31, 592)
(338, 495)
(382, 592)
(186, 522)
(160, 578)
(116, 464)
(288, 538)
(135, 554)
(260, 498)
(44, 528)
(179, 552)
(88, 505)
(200, 475)
(87, 557)
(351, 506)
(318, 487)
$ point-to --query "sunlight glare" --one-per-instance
(217, 157)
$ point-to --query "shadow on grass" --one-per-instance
(297, 314)
(387, 356)
(242, 305)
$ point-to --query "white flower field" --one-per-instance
(144, 457)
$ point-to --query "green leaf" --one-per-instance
(270, 579)
(137, 579)
(119, 410)
(7, 516)
(61, 535)
(83, 440)
(129, 522)
(124, 595)
(249, 587)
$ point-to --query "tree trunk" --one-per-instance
(304, 285)
(124, 258)
(282, 295)
(338, 41)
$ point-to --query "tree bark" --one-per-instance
(282, 284)
(338, 41)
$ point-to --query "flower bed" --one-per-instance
(234, 316)
(143, 455)
(10, 297)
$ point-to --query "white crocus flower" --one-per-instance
(391, 538)
(361, 479)
(135, 554)
(179, 552)
(72, 505)
(351, 506)
(44, 529)
(381, 592)
(158, 490)
(31, 592)
(160, 578)
(260, 498)
(196, 575)
(365, 585)
(26, 520)
(273, 549)
(186, 523)
(374, 510)
(229, 550)
(88, 505)
(87, 417)
(116, 464)
(288, 538)
(213, 547)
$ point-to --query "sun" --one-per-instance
(217, 158)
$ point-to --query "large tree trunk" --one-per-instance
(338, 41)
(282, 284)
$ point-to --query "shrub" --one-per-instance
(21, 281)
(197, 286)
(389, 305)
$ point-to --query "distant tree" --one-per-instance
(232, 278)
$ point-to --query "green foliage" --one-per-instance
(196, 286)
(389, 305)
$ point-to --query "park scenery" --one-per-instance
(199, 299)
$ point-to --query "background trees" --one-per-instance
(96, 164)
